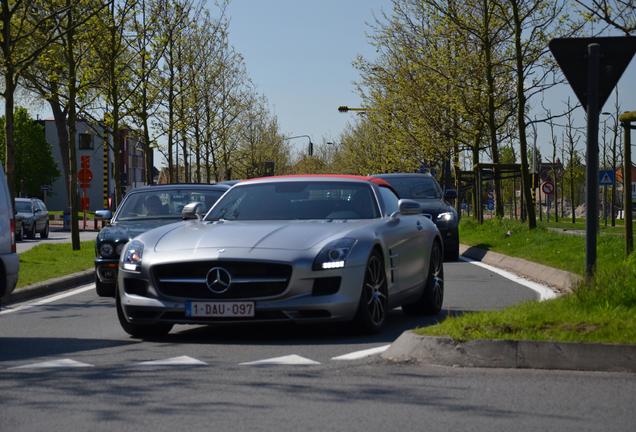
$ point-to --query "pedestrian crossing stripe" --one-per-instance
(59, 363)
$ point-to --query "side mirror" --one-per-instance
(36, 210)
(450, 194)
(407, 207)
(103, 214)
(193, 210)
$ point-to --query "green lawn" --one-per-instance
(48, 261)
(580, 225)
(540, 245)
(602, 311)
(80, 215)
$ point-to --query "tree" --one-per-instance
(34, 164)
(574, 170)
(64, 76)
(533, 23)
(617, 14)
(28, 28)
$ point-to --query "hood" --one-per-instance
(434, 206)
(129, 229)
(288, 235)
(24, 215)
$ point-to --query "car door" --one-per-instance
(43, 215)
(405, 239)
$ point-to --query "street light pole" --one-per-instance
(311, 144)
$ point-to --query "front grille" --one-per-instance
(249, 279)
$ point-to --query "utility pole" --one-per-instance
(626, 120)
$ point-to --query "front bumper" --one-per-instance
(143, 303)
(106, 270)
(449, 233)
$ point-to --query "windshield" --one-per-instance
(163, 204)
(297, 200)
(23, 207)
(416, 187)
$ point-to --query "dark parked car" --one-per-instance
(424, 189)
(19, 231)
(142, 209)
(34, 215)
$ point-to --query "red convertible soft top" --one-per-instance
(376, 180)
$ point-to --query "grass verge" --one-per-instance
(539, 245)
(48, 261)
(602, 311)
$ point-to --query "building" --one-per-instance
(99, 159)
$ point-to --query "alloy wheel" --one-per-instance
(375, 290)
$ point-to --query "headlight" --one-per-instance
(131, 258)
(334, 255)
(119, 248)
(106, 250)
(445, 217)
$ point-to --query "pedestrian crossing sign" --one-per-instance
(606, 177)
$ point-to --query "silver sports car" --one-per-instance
(291, 248)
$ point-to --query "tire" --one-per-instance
(374, 303)
(141, 331)
(104, 289)
(45, 232)
(31, 232)
(430, 303)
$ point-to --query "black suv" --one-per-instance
(424, 189)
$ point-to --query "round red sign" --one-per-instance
(547, 187)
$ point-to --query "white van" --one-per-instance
(9, 262)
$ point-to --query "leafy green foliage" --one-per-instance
(34, 164)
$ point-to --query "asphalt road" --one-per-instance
(54, 237)
(98, 379)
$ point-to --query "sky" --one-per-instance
(299, 53)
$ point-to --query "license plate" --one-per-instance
(220, 309)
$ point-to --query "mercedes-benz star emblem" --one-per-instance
(218, 280)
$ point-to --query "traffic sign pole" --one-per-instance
(593, 108)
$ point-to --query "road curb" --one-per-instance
(561, 280)
(410, 347)
(50, 286)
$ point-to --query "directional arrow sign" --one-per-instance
(571, 55)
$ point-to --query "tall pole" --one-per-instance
(593, 108)
(627, 189)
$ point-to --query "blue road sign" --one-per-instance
(606, 177)
(490, 204)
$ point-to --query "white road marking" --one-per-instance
(362, 354)
(545, 292)
(174, 361)
(34, 303)
(61, 363)
(293, 359)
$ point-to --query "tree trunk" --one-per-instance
(9, 161)
(492, 122)
(72, 119)
(521, 122)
